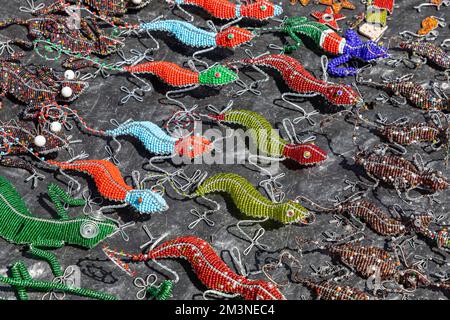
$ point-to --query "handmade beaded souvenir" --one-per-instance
(192, 36)
(226, 10)
(328, 18)
(111, 185)
(268, 140)
(19, 226)
(88, 38)
(211, 270)
(22, 281)
(350, 47)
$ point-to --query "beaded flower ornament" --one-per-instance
(211, 270)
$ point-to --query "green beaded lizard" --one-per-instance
(19, 226)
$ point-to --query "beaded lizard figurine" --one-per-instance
(154, 139)
(22, 281)
(302, 83)
(112, 186)
(409, 91)
(330, 42)
(368, 261)
(226, 10)
(22, 138)
(33, 85)
(247, 199)
(268, 140)
(103, 8)
(192, 36)
(400, 173)
(19, 226)
(85, 39)
(211, 270)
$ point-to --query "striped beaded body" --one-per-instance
(411, 133)
(377, 219)
(301, 81)
(366, 260)
(19, 226)
(154, 139)
(417, 95)
(250, 201)
(326, 290)
(185, 32)
(267, 139)
(323, 36)
(211, 270)
(430, 51)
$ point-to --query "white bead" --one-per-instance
(40, 141)
(66, 92)
(69, 75)
(55, 126)
(137, 2)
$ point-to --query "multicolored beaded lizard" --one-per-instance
(268, 140)
(111, 185)
(19, 226)
(211, 270)
(350, 47)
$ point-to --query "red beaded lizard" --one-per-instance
(209, 267)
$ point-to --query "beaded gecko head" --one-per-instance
(146, 201)
(93, 231)
(292, 212)
(263, 290)
(192, 146)
(217, 75)
(366, 51)
(343, 95)
(232, 37)
(261, 10)
(435, 181)
(305, 153)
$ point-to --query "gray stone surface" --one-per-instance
(320, 183)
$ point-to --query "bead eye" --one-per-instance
(140, 200)
(217, 75)
(290, 213)
(306, 154)
(339, 93)
(263, 8)
(230, 36)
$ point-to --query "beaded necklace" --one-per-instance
(211, 270)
